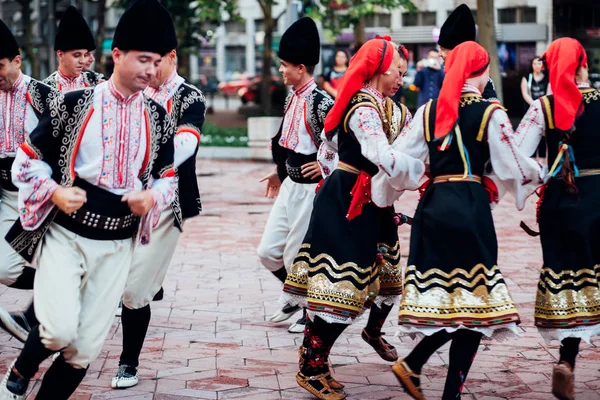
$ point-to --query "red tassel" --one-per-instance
(542, 191)
(361, 195)
(319, 185)
(490, 186)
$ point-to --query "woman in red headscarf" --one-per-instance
(336, 263)
(453, 289)
(568, 297)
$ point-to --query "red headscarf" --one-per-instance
(467, 60)
(374, 57)
(563, 58)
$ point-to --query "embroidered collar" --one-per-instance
(374, 92)
(119, 96)
(467, 88)
(306, 88)
(20, 80)
(66, 77)
(166, 91)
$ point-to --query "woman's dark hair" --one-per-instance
(403, 52)
(343, 52)
(531, 63)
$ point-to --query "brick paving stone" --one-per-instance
(210, 338)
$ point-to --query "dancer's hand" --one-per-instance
(311, 170)
(69, 199)
(273, 184)
(140, 202)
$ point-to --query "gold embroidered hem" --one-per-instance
(339, 290)
(390, 272)
(568, 298)
(478, 297)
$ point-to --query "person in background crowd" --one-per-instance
(333, 76)
(429, 79)
(533, 86)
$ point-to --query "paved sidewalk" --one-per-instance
(209, 340)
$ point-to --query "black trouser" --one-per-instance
(462, 353)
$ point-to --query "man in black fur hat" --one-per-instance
(22, 102)
(458, 28)
(186, 106)
(95, 174)
(73, 44)
(295, 147)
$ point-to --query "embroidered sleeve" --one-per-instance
(366, 125)
(411, 143)
(513, 170)
(36, 187)
(531, 129)
(189, 128)
(327, 155)
(31, 171)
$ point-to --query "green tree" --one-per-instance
(193, 19)
(100, 33)
(337, 15)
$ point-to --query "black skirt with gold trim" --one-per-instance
(335, 267)
(452, 278)
(568, 293)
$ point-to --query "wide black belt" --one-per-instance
(293, 166)
(5, 174)
(103, 217)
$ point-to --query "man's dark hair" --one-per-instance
(310, 69)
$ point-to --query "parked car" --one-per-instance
(251, 94)
(233, 86)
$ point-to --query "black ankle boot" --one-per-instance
(281, 274)
(60, 381)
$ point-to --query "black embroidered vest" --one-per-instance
(584, 139)
(473, 119)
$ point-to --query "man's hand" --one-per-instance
(312, 170)
(140, 203)
(69, 199)
(273, 184)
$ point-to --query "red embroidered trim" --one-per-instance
(185, 129)
(78, 142)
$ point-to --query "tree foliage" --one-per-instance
(337, 15)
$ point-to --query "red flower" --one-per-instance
(316, 363)
(316, 342)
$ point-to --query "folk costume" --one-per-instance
(453, 289)
(73, 33)
(295, 144)
(460, 27)
(386, 284)
(108, 145)
(21, 107)
(340, 246)
(568, 296)
(187, 107)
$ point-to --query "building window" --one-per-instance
(410, 19)
(423, 18)
(235, 27)
(378, 20)
(235, 60)
(517, 15)
(507, 15)
(428, 18)
(528, 15)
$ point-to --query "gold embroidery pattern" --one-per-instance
(312, 277)
(590, 94)
(483, 301)
(568, 299)
(390, 273)
(466, 99)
